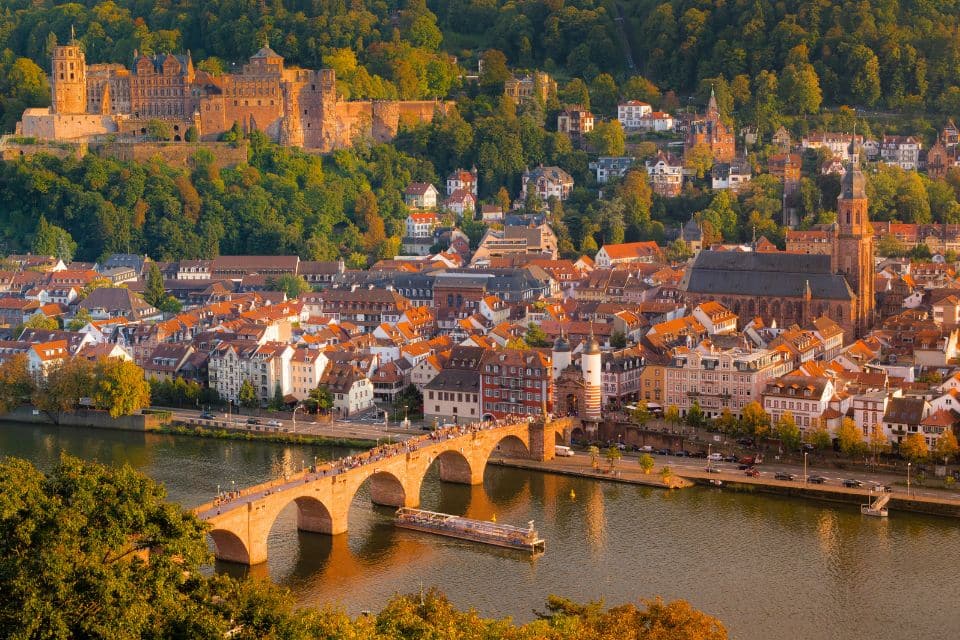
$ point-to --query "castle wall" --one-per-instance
(40, 123)
(178, 154)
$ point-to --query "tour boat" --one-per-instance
(501, 535)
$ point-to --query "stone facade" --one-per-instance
(294, 107)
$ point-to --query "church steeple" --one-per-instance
(853, 244)
(713, 112)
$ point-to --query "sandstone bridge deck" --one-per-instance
(241, 524)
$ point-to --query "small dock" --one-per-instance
(493, 533)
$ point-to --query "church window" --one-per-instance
(848, 217)
(71, 76)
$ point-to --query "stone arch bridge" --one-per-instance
(240, 525)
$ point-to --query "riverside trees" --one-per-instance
(89, 551)
(112, 385)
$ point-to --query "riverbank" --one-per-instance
(576, 467)
(275, 438)
(580, 466)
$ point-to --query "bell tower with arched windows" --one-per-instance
(853, 245)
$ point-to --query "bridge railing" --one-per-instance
(376, 454)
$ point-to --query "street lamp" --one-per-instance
(314, 464)
(908, 479)
(805, 453)
(293, 418)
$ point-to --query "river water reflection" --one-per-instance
(769, 568)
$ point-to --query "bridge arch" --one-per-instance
(510, 446)
(312, 515)
(456, 467)
(229, 546)
(386, 490)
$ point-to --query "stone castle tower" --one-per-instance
(853, 244)
(68, 87)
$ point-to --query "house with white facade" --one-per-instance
(421, 225)
(901, 151)
(629, 113)
(421, 195)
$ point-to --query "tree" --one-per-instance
(320, 400)
(535, 336)
(64, 385)
(191, 134)
(800, 89)
(410, 399)
(40, 321)
(666, 473)
(672, 415)
(820, 437)
(851, 438)
(608, 138)
(612, 454)
(16, 383)
(695, 415)
(154, 293)
(618, 340)
(158, 130)
(699, 160)
(80, 319)
(292, 285)
(878, 441)
(646, 463)
(788, 431)
(603, 95)
(755, 420)
(247, 395)
(914, 448)
(51, 240)
(277, 403)
(946, 446)
(594, 452)
(641, 416)
(495, 72)
(639, 88)
(119, 387)
(727, 422)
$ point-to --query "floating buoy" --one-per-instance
(573, 495)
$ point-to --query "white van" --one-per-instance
(715, 457)
(563, 452)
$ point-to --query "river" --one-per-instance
(770, 568)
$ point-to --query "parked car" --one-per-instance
(716, 457)
(742, 467)
(780, 475)
(746, 442)
(852, 483)
(253, 421)
(274, 423)
(664, 452)
(750, 460)
(682, 454)
(753, 473)
(730, 458)
(817, 479)
(806, 446)
(713, 470)
(206, 415)
(645, 448)
(698, 454)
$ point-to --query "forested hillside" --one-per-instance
(887, 54)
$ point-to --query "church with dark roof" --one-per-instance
(795, 288)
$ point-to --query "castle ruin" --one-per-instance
(292, 106)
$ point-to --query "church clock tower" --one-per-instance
(853, 245)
